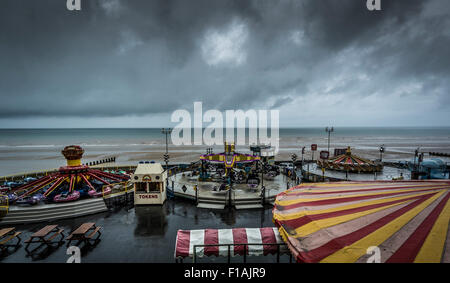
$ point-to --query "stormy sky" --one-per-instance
(131, 63)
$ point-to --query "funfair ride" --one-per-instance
(69, 182)
(351, 163)
(229, 158)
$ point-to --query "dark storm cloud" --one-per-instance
(117, 57)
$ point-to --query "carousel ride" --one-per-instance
(69, 183)
(230, 167)
(351, 163)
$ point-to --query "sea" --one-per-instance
(24, 150)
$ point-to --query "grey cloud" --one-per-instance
(142, 57)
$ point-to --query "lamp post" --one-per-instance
(166, 155)
(262, 172)
(416, 154)
(382, 149)
(294, 158)
(303, 152)
(263, 189)
(329, 131)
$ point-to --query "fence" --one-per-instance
(278, 245)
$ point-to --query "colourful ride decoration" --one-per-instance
(402, 221)
(75, 175)
(229, 158)
(73, 154)
(350, 163)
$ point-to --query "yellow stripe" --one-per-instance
(301, 200)
(60, 182)
(74, 162)
(289, 216)
(315, 226)
(433, 247)
(353, 252)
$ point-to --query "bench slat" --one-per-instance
(44, 231)
(10, 238)
(55, 235)
(93, 232)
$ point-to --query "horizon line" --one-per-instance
(285, 127)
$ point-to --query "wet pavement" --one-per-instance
(144, 233)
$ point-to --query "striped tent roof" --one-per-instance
(339, 222)
(187, 239)
(350, 159)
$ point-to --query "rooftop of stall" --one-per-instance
(150, 184)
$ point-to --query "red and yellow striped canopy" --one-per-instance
(408, 221)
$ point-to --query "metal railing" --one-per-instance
(278, 245)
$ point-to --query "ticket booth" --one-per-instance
(149, 184)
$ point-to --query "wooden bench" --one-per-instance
(39, 236)
(6, 235)
(81, 235)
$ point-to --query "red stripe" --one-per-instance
(38, 187)
(211, 238)
(182, 245)
(296, 190)
(298, 222)
(336, 244)
(31, 184)
(268, 237)
(362, 190)
(54, 185)
(342, 200)
(239, 237)
(411, 247)
(98, 178)
(109, 176)
(339, 159)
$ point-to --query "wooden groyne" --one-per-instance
(441, 154)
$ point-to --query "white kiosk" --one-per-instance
(149, 184)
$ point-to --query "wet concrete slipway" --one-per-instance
(144, 234)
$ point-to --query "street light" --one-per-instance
(329, 131)
(382, 149)
(262, 174)
(416, 154)
(263, 189)
(294, 158)
(166, 155)
(303, 152)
